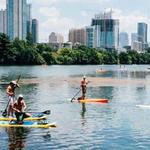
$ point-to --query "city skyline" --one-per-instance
(54, 16)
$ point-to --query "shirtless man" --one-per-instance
(11, 96)
(83, 88)
(19, 106)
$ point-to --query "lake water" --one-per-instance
(118, 125)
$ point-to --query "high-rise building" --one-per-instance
(106, 31)
(123, 39)
(29, 19)
(35, 31)
(134, 37)
(17, 17)
(135, 44)
(90, 36)
(142, 34)
(77, 36)
(3, 24)
(56, 38)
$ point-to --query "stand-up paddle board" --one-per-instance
(35, 116)
(93, 100)
(25, 123)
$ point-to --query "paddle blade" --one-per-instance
(47, 112)
(72, 99)
(4, 114)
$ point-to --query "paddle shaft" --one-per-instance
(18, 79)
(75, 95)
(4, 113)
(44, 112)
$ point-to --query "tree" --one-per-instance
(29, 39)
(7, 53)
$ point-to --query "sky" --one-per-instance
(61, 15)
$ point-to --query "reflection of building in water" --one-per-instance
(17, 137)
(138, 74)
(101, 92)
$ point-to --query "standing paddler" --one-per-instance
(83, 86)
(11, 96)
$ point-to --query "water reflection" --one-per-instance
(81, 125)
(47, 137)
(83, 110)
(17, 137)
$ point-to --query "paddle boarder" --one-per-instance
(11, 96)
(83, 86)
(19, 107)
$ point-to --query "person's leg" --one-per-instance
(10, 105)
(19, 117)
(84, 93)
(26, 115)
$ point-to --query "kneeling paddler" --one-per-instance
(19, 107)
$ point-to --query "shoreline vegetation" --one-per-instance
(19, 52)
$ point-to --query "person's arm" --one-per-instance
(24, 106)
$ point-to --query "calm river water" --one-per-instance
(118, 125)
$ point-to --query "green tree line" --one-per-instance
(19, 52)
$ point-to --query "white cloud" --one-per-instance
(56, 24)
(2, 4)
(49, 12)
(86, 1)
(128, 22)
(43, 2)
(99, 1)
(51, 20)
(84, 13)
(54, 18)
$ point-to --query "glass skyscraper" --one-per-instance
(29, 20)
(90, 36)
(142, 34)
(35, 30)
(3, 23)
(123, 39)
(17, 15)
(106, 31)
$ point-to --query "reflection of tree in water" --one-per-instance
(17, 137)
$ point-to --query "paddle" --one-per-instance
(4, 114)
(18, 79)
(75, 95)
(46, 112)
